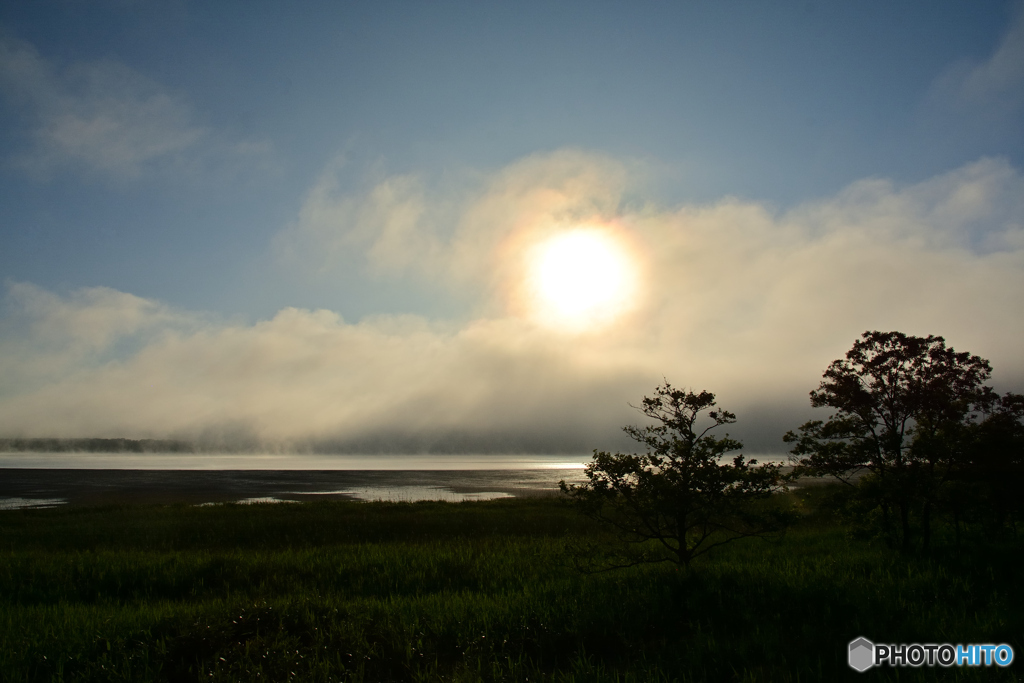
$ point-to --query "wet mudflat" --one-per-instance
(50, 487)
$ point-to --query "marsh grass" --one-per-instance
(465, 592)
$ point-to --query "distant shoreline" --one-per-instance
(55, 445)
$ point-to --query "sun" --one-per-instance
(581, 279)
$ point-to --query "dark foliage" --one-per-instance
(916, 418)
(678, 500)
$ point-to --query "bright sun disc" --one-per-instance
(581, 279)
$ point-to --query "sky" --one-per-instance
(492, 227)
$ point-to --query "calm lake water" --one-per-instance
(52, 479)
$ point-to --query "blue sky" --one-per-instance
(182, 184)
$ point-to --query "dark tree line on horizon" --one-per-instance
(54, 445)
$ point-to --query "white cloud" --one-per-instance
(388, 223)
(790, 291)
(102, 116)
(403, 224)
(992, 89)
(307, 374)
(91, 318)
(46, 337)
(746, 301)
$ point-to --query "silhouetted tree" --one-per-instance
(678, 500)
(908, 410)
(987, 467)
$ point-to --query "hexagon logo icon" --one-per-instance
(861, 654)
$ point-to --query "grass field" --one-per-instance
(480, 591)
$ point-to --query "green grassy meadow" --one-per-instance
(481, 591)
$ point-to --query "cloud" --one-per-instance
(992, 89)
(102, 116)
(308, 375)
(45, 337)
(389, 224)
(454, 234)
(739, 298)
(789, 291)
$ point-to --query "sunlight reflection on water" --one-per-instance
(412, 494)
(22, 503)
(389, 494)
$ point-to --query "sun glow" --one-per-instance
(581, 279)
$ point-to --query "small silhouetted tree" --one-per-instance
(681, 498)
(909, 411)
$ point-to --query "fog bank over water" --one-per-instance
(736, 296)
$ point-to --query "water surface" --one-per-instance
(52, 479)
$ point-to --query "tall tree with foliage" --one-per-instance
(678, 500)
(986, 471)
(906, 409)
